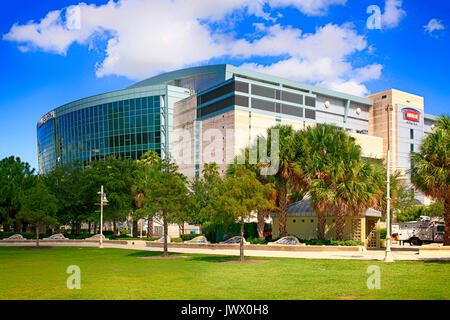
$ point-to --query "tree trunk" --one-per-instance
(320, 225)
(447, 222)
(17, 226)
(282, 203)
(37, 234)
(150, 227)
(166, 251)
(135, 229)
(89, 227)
(340, 225)
(95, 227)
(241, 243)
(261, 222)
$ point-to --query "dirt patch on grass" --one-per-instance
(245, 261)
(37, 248)
(347, 297)
(161, 257)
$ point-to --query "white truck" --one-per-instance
(425, 230)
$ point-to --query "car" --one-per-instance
(199, 239)
(58, 236)
(287, 241)
(234, 240)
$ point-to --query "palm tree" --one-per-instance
(430, 168)
(290, 150)
(318, 144)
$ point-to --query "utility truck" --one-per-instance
(426, 230)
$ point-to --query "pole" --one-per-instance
(101, 218)
(388, 254)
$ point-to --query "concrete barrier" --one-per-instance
(257, 247)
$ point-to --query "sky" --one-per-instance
(54, 52)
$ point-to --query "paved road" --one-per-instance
(399, 253)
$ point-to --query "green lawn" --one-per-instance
(118, 274)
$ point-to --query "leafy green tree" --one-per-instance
(76, 194)
(242, 194)
(16, 177)
(39, 207)
(148, 159)
(430, 168)
(164, 194)
(118, 178)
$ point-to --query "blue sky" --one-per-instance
(54, 52)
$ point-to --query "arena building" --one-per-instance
(210, 113)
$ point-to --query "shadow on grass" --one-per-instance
(138, 254)
(436, 261)
(228, 258)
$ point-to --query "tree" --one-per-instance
(118, 178)
(16, 177)
(39, 207)
(242, 194)
(430, 168)
(319, 148)
(75, 196)
(164, 194)
(290, 150)
(256, 167)
(149, 158)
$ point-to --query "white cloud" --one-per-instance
(434, 25)
(147, 37)
(308, 7)
(393, 14)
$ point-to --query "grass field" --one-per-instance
(118, 274)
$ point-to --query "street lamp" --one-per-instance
(103, 202)
(388, 255)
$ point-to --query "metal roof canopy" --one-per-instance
(303, 209)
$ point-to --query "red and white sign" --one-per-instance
(412, 115)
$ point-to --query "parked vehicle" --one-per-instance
(419, 232)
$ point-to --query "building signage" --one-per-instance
(46, 118)
(411, 114)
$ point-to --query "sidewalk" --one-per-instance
(407, 253)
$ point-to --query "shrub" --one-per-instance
(254, 240)
(176, 240)
(383, 233)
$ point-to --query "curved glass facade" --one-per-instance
(124, 123)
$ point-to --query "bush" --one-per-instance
(176, 240)
(26, 235)
(325, 242)
(383, 233)
(254, 240)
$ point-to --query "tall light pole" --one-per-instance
(388, 254)
(103, 201)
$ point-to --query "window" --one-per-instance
(310, 114)
(263, 105)
(411, 133)
(412, 147)
(263, 91)
(310, 101)
(291, 97)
